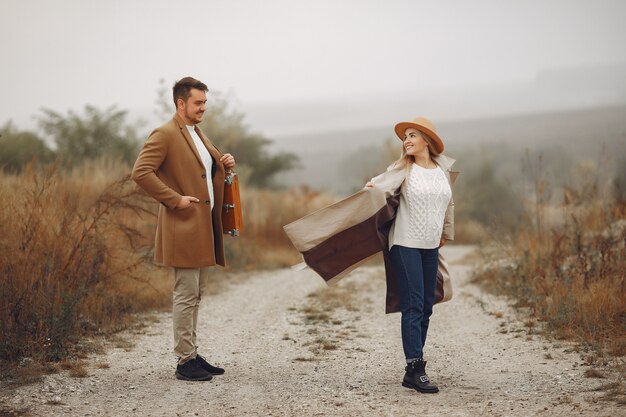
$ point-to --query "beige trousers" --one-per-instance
(189, 286)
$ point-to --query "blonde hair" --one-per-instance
(406, 160)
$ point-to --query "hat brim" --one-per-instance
(403, 126)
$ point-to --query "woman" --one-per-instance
(423, 223)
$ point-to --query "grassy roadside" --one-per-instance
(569, 273)
(76, 259)
(573, 278)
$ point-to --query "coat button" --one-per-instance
(203, 176)
(207, 201)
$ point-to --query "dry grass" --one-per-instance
(594, 373)
(571, 275)
(76, 254)
(614, 391)
(11, 412)
(320, 318)
(303, 359)
(121, 342)
(26, 372)
(331, 298)
(75, 368)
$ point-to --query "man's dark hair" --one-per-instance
(183, 87)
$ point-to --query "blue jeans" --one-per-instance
(416, 274)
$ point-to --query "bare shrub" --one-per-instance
(67, 251)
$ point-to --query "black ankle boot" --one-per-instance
(417, 379)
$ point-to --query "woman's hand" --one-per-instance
(228, 160)
(442, 242)
(369, 185)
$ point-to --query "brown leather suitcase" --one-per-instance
(232, 214)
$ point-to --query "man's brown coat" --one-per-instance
(168, 167)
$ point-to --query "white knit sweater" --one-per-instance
(424, 198)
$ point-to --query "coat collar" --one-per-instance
(445, 162)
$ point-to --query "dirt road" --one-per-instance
(292, 347)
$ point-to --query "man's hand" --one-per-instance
(185, 201)
(228, 160)
(369, 185)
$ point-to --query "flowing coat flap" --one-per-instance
(336, 239)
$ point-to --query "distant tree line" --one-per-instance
(77, 138)
(73, 139)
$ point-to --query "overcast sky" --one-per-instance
(63, 54)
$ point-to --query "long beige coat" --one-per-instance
(168, 167)
(337, 239)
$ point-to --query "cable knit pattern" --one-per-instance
(426, 194)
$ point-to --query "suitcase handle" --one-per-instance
(230, 177)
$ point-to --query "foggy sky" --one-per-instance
(64, 54)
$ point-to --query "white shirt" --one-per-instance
(207, 161)
(424, 198)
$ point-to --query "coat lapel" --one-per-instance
(183, 129)
(215, 153)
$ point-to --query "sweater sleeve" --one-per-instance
(390, 180)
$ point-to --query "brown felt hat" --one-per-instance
(423, 125)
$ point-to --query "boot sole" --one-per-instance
(418, 389)
(186, 378)
(215, 373)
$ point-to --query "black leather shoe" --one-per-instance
(192, 371)
(417, 379)
(213, 370)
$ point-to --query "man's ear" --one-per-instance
(180, 104)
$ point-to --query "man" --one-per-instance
(181, 169)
